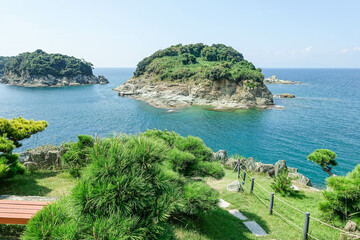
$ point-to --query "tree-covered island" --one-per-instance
(198, 74)
(40, 69)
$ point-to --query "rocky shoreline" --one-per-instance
(219, 94)
(274, 80)
(51, 81)
(272, 170)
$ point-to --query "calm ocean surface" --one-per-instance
(324, 114)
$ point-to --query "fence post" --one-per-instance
(252, 185)
(306, 225)
(236, 165)
(244, 177)
(271, 203)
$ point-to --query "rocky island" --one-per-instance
(40, 69)
(197, 74)
(285, 95)
(274, 80)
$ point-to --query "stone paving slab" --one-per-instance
(222, 203)
(255, 228)
(238, 214)
(28, 198)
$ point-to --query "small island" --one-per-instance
(274, 80)
(40, 69)
(198, 74)
(285, 95)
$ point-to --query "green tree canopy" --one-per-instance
(17, 129)
(40, 63)
(325, 158)
(198, 61)
(11, 132)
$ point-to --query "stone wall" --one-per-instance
(44, 158)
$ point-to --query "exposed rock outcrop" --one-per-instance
(285, 95)
(271, 170)
(220, 94)
(351, 228)
(221, 156)
(51, 81)
(48, 157)
(274, 80)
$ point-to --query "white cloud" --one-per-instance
(308, 49)
(347, 50)
(302, 51)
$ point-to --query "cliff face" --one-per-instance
(51, 81)
(219, 94)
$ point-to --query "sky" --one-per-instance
(110, 33)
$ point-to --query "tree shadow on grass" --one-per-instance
(220, 224)
(26, 185)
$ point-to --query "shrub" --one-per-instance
(131, 188)
(187, 58)
(342, 197)
(282, 184)
(12, 131)
(76, 155)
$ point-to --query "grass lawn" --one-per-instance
(218, 224)
(221, 225)
(41, 183)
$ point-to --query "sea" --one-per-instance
(324, 114)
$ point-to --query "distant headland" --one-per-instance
(198, 74)
(40, 69)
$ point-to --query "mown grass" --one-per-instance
(40, 183)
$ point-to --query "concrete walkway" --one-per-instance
(253, 226)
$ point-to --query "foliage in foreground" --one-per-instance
(131, 188)
(12, 131)
(342, 198)
(76, 155)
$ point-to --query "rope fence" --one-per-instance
(305, 230)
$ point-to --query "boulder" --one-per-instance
(52, 158)
(31, 166)
(24, 157)
(351, 228)
(221, 156)
(250, 164)
(279, 167)
(230, 164)
(265, 168)
(292, 170)
(37, 157)
(301, 178)
(235, 186)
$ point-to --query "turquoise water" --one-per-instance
(325, 114)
